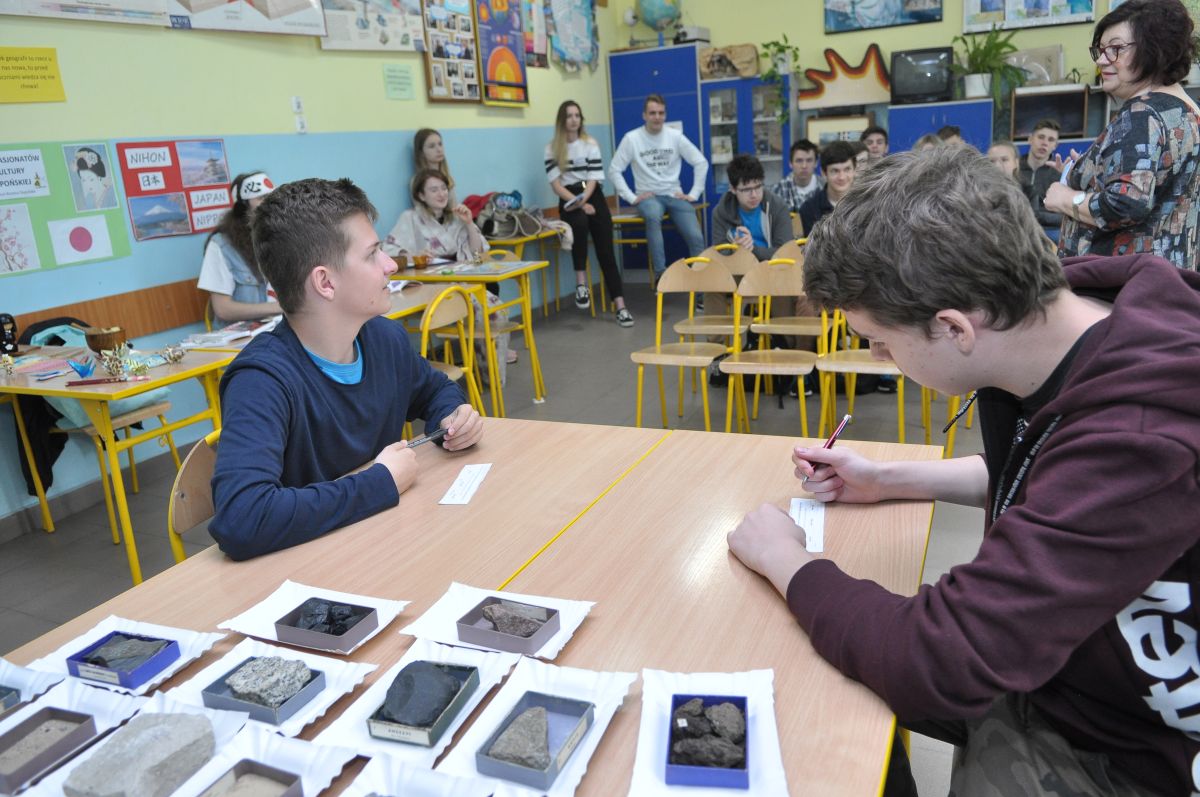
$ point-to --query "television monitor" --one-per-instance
(922, 75)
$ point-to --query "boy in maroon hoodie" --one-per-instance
(1063, 659)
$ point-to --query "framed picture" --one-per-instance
(842, 16)
(451, 51)
(822, 130)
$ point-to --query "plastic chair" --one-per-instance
(454, 310)
(774, 278)
(191, 501)
(690, 275)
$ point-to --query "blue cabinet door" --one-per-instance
(907, 123)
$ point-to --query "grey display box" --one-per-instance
(428, 737)
(130, 679)
(218, 695)
(287, 632)
(568, 720)
(292, 782)
(476, 629)
(9, 697)
(84, 732)
(719, 777)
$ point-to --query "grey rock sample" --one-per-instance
(318, 614)
(125, 653)
(708, 751)
(512, 622)
(269, 680)
(727, 721)
(34, 743)
(419, 694)
(526, 740)
(248, 785)
(149, 757)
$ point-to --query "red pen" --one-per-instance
(832, 438)
(108, 380)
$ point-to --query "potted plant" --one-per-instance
(983, 66)
(781, 58)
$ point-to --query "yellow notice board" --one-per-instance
(30, 74)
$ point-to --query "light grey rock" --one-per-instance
(508, 621)
(34, 743)
(149, 757)
(708, 751)
(727, 721)
(269, 680)
(526, 740)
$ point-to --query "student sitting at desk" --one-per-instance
(327, 390)
(1062, 659)
(429, 227)
(235, 284)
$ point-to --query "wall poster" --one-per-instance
(533, 22)
(981, 15)
(847, 15)
(390, 25)
(175, 187)
(502, 52)
(451, 52)
(138, 12)
(301, 17)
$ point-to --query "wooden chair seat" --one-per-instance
(776, 362)
(122, 421)
(691, 355)
(857, 361)
(497, 327)
(709, 325)
(452, 372)
(789, 325)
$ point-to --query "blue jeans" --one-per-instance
(684, 217)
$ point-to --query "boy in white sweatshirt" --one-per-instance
(656, 153)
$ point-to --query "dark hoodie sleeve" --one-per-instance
(1103, 515)
(255, 513)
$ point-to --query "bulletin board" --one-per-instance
(175, 187)
(451, 52)
(58, 207)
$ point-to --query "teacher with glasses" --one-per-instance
(1137, 187)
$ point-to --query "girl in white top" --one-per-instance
(236, 286)
(430, 228)
(575, 172)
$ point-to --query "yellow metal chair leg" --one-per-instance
(133, 477)
(851, 385)
(662, 395)
(587, 266)
(729, 399)
(638, 411)
(171, 444)
(408, 430)
(926, 413)
(745, 408)
(900, 405)
(104, 486)
(43, 504)
(803, 408)
(758, 381)
(704, 396)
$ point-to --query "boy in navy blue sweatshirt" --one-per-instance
(329, 389)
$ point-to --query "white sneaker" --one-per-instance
(583, 298)
(624, 318)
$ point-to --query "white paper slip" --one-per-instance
(809, 515)
(466, 484)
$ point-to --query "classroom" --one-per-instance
(629, 488)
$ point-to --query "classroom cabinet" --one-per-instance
(907, 123)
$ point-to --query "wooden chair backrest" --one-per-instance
(732, 256)
(696, 275)
(775, 277)
(797, 225)
(500, 255)
(191, 500)
(791, 251)
(449, 307)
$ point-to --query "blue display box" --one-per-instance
(130, 679)
(717, 777)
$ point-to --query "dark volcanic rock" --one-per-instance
(420, 694)
(526, 740)
(125, 653)
(727, 721)
(708, 751)
(689, 720)
(322, 616)
(510, 621)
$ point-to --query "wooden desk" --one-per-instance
(412, 300)
(670, 596)
(489, 273)
(95, 399)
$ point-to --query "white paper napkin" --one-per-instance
(605, 689)
(350, 729)
(317, 765)
(225, 725)
(757, 686)
(439, 622)
(30, 683)
(259, 620)
(389, 777)
(192, 645)
(340, 677)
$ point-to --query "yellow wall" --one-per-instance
(133, 80)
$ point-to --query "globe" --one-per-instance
(658, 14)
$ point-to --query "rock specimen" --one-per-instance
(149, 757)
(526, 740)
(269, 680)
(123, 653)
(326, 617)
(514, 619)
(419, 694)
(248, 785)
(708, 737)
(37, 741)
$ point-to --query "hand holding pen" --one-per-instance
(838, 474)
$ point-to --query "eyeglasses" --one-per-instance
(1111, 52)
(747, 190)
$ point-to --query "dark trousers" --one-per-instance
(600, 225)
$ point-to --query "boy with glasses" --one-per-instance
(749, 215)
